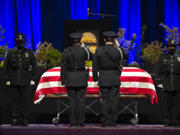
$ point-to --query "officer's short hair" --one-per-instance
(109, 35)
(76, 37)
(20, 36)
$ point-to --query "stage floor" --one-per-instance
(89, 129)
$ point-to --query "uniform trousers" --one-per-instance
(171, 106)
(76, 97)
(109, 100)
(20, 101)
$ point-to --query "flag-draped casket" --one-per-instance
(133, 81)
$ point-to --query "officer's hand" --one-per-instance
(32, 82)
(82, 45)
(160, 85)
(8, 83)
(96, 83)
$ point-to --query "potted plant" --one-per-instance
(47, 56)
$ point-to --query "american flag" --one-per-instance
(133, 81)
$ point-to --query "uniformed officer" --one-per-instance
(75, 77)
(107, 62)
(167, 70)
(20, 67)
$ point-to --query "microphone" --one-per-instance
(88, 12)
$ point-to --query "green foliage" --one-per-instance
(47, 56)
(152, 52)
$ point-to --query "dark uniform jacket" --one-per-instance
(109, 74)
(167, 70)
(20, 66)
(73, 72)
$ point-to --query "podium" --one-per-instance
(90, 28)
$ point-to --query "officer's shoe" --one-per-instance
(175, 124)
(80, 125)
(168, 124)
(112, 124)
(72, 125)
(16, 122)
(105, 125)
(24, 122)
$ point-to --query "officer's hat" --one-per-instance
(20, 36)
(76, 37)
(109, 35)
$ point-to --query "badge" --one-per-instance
(27, 55)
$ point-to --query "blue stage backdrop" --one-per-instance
(7, 20)
(42, 20)
(21, 16)
(130, 20)
(172, 13)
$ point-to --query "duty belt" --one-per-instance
(76, 69)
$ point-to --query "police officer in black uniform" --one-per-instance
(107, 62)
(167, 71)
(75, 77)
(20, 67)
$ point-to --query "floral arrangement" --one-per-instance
(172, 33)
(126, 44)
(3, 47)
(133, 64)
(152, 51)
(47, 56)
(2, 32)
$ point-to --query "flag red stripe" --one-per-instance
(132, 70)
(136, 79)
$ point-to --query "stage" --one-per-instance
(89, 129)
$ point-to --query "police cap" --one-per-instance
(110, 34)
(20, 36)
(75, 35)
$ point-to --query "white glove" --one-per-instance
(96, 83)
(160, 85)
(32, 82)
(8, 83)
(82, 45)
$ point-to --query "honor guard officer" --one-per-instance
(107, 62)
(75, 76)
(167, 71)
(20, 67)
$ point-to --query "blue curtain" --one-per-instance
(79, 9)
(8, 21)
(172, 13)
(94, 6)
(21, 16)
(130, 19)
(54, 12)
